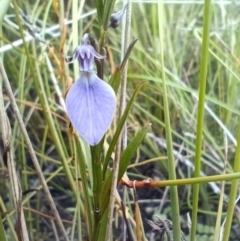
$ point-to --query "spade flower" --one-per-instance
(90, 102)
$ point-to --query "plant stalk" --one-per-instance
(233, 193)
(200, 118)
(171, 160)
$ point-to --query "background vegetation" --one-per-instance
(39, 79)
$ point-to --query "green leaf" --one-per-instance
(119, 128)
(100, 9)
(129, 50)
(108, 8)
(129, 152)
(125, 159)
(115, 79)
(116, 76)
(102, 227)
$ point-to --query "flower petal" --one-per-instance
(86, 54)
(91, 104)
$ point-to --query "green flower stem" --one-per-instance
(81, 161)
(234, 189)
(171, 161)
(97, 185)
(200, 118)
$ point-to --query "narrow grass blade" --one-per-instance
(200, 118)
(2, 232)
(115, 79)
(137, 215)
(233, 193)
(116, 76)
(171, 160)
(126, 56)
(221, 198)
(4, 6)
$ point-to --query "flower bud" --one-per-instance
(116, 18)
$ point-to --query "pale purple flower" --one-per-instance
(90, 102)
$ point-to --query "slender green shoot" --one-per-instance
(171, 160)
(200, 117)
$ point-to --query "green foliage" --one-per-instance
(104, 10)
(81, 160)
(115, 79)
(200, 117)
(124, 162)
(116, 76)
(97, 200)
(100, 10)
(204, 232)
(2, 232)
(4, 7)
(119, 129)
(80, 176)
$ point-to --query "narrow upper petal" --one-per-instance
(91, 105)
(85, 55)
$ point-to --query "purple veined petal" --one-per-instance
(91, 105)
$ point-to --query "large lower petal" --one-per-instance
(91, 105)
